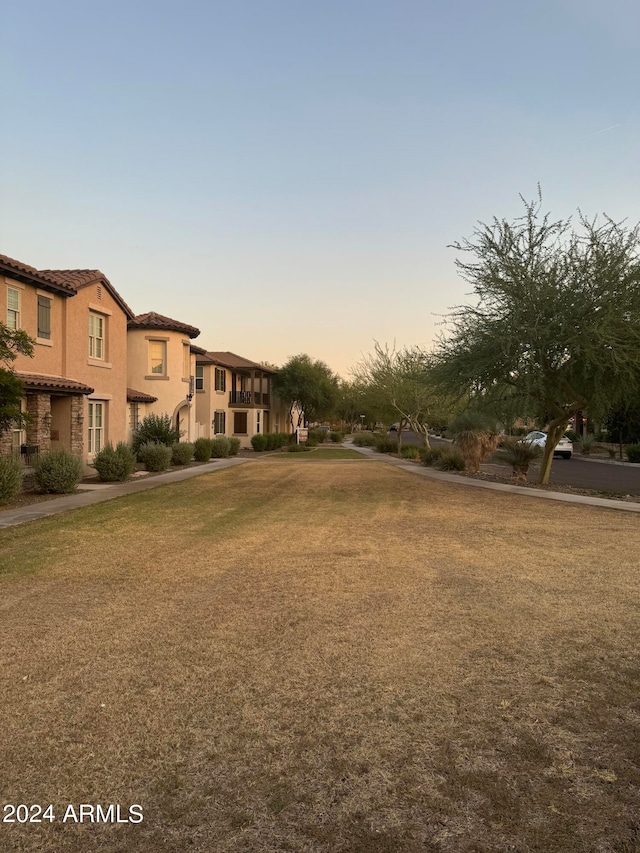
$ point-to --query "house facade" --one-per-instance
(161, 371)
(234, 398)
(75, 384)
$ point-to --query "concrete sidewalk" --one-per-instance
(92, 494)
(445, 477)
(99, 492)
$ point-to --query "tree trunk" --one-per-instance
(556, 429)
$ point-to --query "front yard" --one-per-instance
(328, 658)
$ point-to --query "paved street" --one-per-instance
(577, 472)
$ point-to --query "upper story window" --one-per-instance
(96, 336)
(199, 377)
(44, 317)
(221, 379)
(13, 308)
(158, 357)
(186, 361)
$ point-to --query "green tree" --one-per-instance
(398, 388)
(308, 386)
(12, 343)
(557, 319)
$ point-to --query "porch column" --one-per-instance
(39, 427)
(77, 424)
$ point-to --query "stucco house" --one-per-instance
(161, 367)
(76, 382)
(234, 398)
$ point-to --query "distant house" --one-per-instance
(76, 383)
(234, 398)
(161, 370)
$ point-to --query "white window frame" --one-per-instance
(96, 336)
(219, 416)
(95, 429)
(258, 419)
(199, 377)
(13, 314)
(220, 379)
(160, 362)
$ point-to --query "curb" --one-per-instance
(443, 476)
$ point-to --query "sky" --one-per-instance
(288, 175)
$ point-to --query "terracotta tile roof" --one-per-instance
(151, 320)
(21, 272)
(38, 382)
(75, 279)
(139, 397)
(198, 350)
(236, 362)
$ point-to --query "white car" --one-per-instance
(564, 447)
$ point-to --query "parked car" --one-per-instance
(564, 447)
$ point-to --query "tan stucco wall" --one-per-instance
(48, 355)
(107, 376)
(171, 389)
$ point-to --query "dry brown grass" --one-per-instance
(324, 657)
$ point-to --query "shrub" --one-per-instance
(155, 428)
(475, 435)
(259, 442)
(450, 460)
(182, 453)
(633, 452)
(572, 435)
(234, 446)
(317, 435)
(409, 452)
(518, 454)
(297, 448)
(365, 439)
(335, 436)
(311, 442)
(588, 443)
(430, 455)
(386, 445)
(155, 457)
(11, 477)
(220, 447)
(115, 465)
(58, 472)
(202, 449)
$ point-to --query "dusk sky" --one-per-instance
(286, 175)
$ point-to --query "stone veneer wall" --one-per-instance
(77, 426)
(6, 443)
(39, 427)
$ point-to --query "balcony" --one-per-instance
(248, 398)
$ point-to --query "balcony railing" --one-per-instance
(248, 398)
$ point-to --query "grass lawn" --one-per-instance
(318, 453)
(323, 658)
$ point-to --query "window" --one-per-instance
(13, 308)
(199, 377)
(96, 336)
(186, 361)
(135, 415)
(221, 380)
(44, 317)
(158, 357)
(258, 421)
(240, 423)
(219, 423)
(95, 437)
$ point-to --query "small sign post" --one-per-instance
(302, 435)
